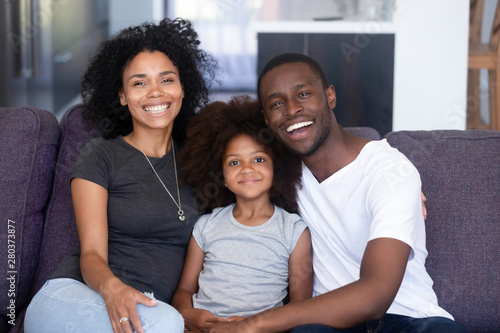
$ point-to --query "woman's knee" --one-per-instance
(65, 305)
(160, 318)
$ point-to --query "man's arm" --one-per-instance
(382, 270)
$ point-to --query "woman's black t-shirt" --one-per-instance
(146, 240)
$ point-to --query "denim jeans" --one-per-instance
(391, 323)
(67, 305)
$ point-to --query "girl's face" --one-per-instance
(152, 90)
(247, 168)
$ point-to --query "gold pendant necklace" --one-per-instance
(180, 212)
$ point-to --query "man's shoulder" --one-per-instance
(380, 152)
(387, 164)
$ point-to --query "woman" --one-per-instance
(133, 220)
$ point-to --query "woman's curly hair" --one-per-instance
(208, 134)
(102, 82)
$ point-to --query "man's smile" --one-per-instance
(298, 126)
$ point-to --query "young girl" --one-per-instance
(242, 257)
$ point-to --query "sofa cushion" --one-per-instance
(460, 173)
(60, 234)
(365, 132)
(28, 147)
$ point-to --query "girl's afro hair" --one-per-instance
(208, 135)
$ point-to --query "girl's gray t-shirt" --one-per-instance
(246, 268)
(146, 241)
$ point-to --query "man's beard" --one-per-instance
(324, 133)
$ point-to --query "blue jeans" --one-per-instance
(67, 305)
(391, 323)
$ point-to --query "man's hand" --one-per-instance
(240, 326)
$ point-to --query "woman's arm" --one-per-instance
(197, 320)
(301, 269)
(90, 202)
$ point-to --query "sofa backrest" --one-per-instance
(365, 132)
(59, 233)
(460, 172)
(28, 147)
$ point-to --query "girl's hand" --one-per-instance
(198, 320)
(121, 303)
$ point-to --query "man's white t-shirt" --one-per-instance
(375, 196)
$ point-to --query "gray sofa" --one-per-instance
(460, 173)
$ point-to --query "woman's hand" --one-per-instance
(198, 320)
(121, 302)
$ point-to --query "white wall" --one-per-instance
(430, 80)
(124, 13)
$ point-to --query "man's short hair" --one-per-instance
(288, 58)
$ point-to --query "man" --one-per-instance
(361, 200)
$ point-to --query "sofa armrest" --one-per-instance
(60, 234)
(28, 147)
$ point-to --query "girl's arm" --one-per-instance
(301, 269)
(196, 320)
(90, 202)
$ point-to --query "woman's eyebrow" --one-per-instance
(141, 76)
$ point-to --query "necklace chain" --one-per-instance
(180, 212)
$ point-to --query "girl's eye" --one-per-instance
(259, 159)
(166, 80)
(138, 83)
(233, 163)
